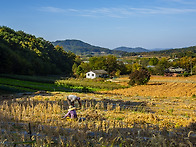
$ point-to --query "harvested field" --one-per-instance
(162, 87)
(161, 113)
(110, 120)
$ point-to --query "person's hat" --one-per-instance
(71, 108)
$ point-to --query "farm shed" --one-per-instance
(96, 73)
(172, 71)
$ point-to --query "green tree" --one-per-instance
(80, 71)
(153, 61)
(161, 66)
(74, 69)
(97, 63)
(143, 61)
(128, 68)
(108, 63)
(117, 74)
(136, 66)
(121, 67)
(186, 62)
(139, 77)
(23, 53)
(111, 64)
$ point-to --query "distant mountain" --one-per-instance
(79, 47)
(72, 43)
(178, 52)
(128, 49)
(160, 49)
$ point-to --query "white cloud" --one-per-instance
(118, 12)
(187, 2)
(126, 12)
(162, 10)
(72, 10)
(52, 9)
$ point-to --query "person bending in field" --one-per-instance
(72, 98)
(71, 113)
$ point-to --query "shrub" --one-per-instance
(139, 77)
(186, 74)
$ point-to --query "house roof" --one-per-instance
(175, 70)
(99, 71)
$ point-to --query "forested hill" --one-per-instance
(178, 52)
(131, 50)
(22, 53)
(79, 47)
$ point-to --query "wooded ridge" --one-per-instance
(22, 53)
(81, 48)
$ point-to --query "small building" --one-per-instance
(172, 71)
(150, 66)
(171, 60)
(96, 73)
(86, 61)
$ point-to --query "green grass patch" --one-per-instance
(20, 83)
(8, 89)
(42, 79)
(90, 84)
(15, 86)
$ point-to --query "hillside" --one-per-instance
(79, 47)
(128, 49)
(22, 53)
(177, 52)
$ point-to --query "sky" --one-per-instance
(106, 23)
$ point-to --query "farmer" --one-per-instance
(71, 99)
(71, 112)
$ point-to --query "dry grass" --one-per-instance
(159, 90)
(172, 79)
(138, 116)
(108, 117)
(161, 87)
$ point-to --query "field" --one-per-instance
(18, 84)
(161, 87)
(161, 113)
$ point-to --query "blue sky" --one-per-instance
(106, 23)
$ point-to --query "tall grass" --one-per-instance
(106, 124)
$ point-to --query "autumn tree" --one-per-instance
(139, 77)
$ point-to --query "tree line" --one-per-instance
(116, 67)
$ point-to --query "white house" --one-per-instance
(96, 73)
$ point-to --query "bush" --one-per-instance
(139, 77)
(186, 74)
